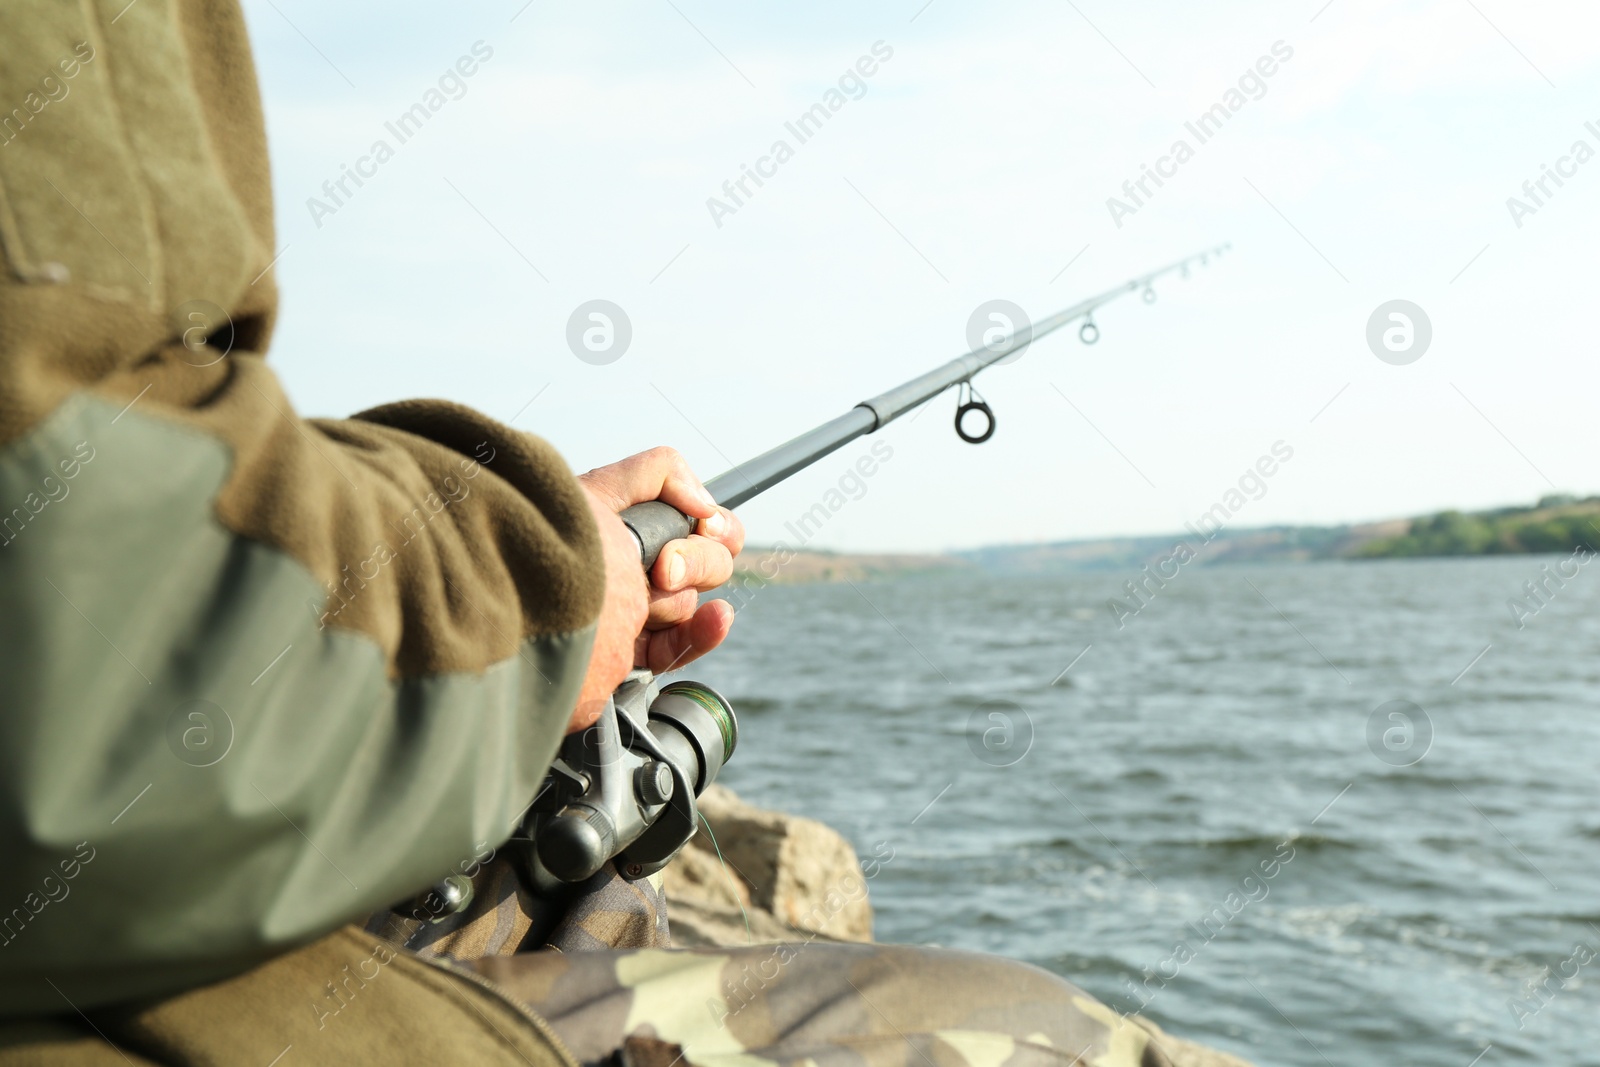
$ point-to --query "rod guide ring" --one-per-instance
(970, 402)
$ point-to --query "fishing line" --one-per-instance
(749, 937)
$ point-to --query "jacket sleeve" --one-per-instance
(264, 674)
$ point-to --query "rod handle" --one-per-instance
(654, 524)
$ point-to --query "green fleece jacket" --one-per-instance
(262, 675)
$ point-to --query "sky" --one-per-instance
(976, 162)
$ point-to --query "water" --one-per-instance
(1179, 754)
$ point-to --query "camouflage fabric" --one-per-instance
(611, 912)
(595, 965)
(606, 912)
(824, 1005)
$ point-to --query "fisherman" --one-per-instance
(265, 676)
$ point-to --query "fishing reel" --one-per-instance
(624, 790)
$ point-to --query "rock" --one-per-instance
(709, 905)
(801, 873)
(696, 876)
(790, 878)
(696, 924)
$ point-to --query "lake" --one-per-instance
(1413, 762)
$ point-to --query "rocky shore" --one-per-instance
(797, 879)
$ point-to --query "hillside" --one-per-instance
(1554, 524)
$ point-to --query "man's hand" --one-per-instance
(659, 623)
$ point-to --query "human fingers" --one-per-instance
(693, 562)
(667, 650)
(669, 609)
(657, 474)
(723, 527)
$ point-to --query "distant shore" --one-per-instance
(774, 566)
(1553, 524)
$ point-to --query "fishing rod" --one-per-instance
(655, 523)
(624, 791)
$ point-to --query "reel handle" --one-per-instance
(654, 524)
